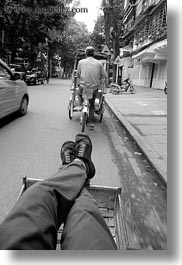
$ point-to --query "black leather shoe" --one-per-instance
(67, 152)
(83, 152)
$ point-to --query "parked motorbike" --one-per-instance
(126, 86)
(165, 88)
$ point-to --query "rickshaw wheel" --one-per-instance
(84, 120)
(101, 116)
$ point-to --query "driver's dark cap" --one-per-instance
(89, 51)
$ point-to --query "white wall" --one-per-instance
(141, 75)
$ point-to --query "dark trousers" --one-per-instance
(34, 220)
(92, 107)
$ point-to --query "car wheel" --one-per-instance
(23, 106)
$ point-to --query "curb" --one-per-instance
(152, 157)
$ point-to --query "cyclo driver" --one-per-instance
(90, 74)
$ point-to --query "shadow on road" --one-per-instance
(8, 119)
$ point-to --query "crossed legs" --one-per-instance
(34, 220)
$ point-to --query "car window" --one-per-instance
(18, 68)
(4, 73)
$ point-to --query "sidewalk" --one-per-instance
(144, 115)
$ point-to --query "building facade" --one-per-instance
(143, 53)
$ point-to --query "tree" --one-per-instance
(75, 36)
(113, 15)
(26, 24)
(98, 35)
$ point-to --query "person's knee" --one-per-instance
(85, 227)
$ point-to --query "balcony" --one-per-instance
(128, 10)
(144, 7)
(148, 4)
(128, 31)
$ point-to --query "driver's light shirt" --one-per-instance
(90, 72)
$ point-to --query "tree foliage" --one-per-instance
(98, 35)
(76, 36)
(113, 17)
(26, 26)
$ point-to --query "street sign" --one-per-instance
(106, 50)
(117, 61)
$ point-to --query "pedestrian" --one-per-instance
(90, 73)
(33, 222)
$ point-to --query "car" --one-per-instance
(35, 77)
(20, 69)
(13, 92)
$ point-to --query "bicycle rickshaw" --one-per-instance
(75, 103)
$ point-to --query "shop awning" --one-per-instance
(161, 47)
(146, 53)
(154, 53)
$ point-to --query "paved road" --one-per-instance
(30, 146)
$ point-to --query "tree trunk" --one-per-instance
(116, 47)
(107, 25)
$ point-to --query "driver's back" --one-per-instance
(90, 72)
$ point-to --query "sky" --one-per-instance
(93, 11)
